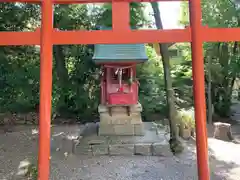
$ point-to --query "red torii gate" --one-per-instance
(47, 36)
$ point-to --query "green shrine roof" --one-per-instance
(119, 53)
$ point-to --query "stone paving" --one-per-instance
(22, 144)
(153, 142)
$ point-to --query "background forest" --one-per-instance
(75, 77)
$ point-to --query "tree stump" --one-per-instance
(222, 131)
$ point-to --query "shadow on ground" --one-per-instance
(222, 166)
(23, 143)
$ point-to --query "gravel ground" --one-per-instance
(22, 144)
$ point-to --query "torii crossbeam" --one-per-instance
(46, 36)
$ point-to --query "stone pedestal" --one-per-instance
(121, 120)
(222, 131)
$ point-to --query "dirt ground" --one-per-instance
(23, 143)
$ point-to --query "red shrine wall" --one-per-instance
(110, 88)
(129, 95)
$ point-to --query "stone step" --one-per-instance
(154, 142)
(144, 149)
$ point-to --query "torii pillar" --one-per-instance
(45, 90)
(199, 88)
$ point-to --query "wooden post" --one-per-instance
(120, 16)
(45, 90)
(199, 89)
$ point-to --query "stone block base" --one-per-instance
(121, 149)
(120, 120)
(100, 149)
(151, 144)
(161, 149)
(143, 149)
(121, 129)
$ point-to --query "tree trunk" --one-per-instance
(175, 144)
(210, 109)
(62, 75)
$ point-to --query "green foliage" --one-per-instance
(224, 67)
(32, 173)
(76, 86)
(76, 89)
(187, 119)
(19, 79)
(152, 93)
